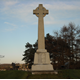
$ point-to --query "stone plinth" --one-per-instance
(41, 62)
(41, 57)
(44, 72)
(42, 67)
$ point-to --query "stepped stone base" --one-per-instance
(42, 67)
(42, 62)
(45, 72)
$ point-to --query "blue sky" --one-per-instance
(18, 25)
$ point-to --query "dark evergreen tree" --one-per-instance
(29, 53)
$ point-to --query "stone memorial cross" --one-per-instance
(41, 57)
(40, 12)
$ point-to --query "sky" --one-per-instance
(18, 24)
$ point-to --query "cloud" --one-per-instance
(10, 27)
(10, 3)
(24, 12)
(21, 11)
(10, 23)
(63, 6)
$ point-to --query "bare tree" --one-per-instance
(71, 34)
(1, 56)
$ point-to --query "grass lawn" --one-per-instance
(13, 74)
(63, 74)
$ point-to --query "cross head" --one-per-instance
(40, 11)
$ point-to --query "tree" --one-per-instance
(1, 56)
(71, 34)
(14, 67)
(29, 53)
(56, 47)
(52, 45)
(63, 47)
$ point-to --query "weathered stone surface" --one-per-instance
(44, 72)
(43, 67)
(40, 12)
(41, 57)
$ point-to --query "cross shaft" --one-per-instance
(40, 12)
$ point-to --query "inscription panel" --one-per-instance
(41, 58)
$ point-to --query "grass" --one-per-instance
(63, 74)
(13, 74)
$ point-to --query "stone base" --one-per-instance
(41, 62)
(41, 58)
(42, 67)
(44, 72)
